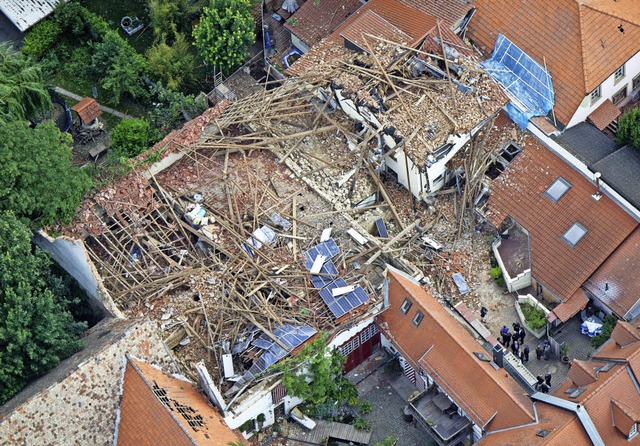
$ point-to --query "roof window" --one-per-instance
(406, 305)
(558, 189)
(418, 318)
(574, 234)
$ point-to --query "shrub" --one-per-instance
(174, 64)
(71, 17)
(80, 62)
(629, 128)
(362, 424)
(41, 38)
(365, 407)
(131, 137)
(534, 316)
(609, 323)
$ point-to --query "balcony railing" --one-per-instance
(441, 421)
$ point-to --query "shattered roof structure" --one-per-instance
(26, 13)
(157, 408)
(579, 40)
(77, 402)
(558, 263)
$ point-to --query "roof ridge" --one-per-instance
(582, 48)
(609, 13)
(136, 368)
(473, 357)
(605, 381)
(628, 410)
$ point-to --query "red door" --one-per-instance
(360, 347)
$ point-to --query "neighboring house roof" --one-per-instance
(616, 281)
(26, 13)
(88, 109)
(586, 143)
(569, 308)
(451, 11)
(441, 346)
(622, 344)
(620, 171)
(520, 193)
(579, 40)
(315, 20)
(159, 409)
(76, 403)
(604, 115)
(609, 392)
(370, 22)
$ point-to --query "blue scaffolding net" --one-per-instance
(528, 84)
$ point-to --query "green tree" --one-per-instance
(36, 330)
(225, 33)
(131, 137)
(23, 94)
(169, 17)
(174, 108)
(41, 38)
(315, 375)
(173, 64)
(120, 67)
(629, 128)
(37, 180)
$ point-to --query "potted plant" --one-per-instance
(564, 353)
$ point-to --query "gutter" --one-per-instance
(578, 409)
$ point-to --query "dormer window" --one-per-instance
(574, 234)
(633, 431)
(406, 306)
(418, 318)
(558, 189)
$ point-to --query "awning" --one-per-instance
(566, 310)
(604, 115)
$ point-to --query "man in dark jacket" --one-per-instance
(539, 352)
(506, 339)
(525, 352)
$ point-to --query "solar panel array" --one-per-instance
(382, 228)
(339, 305)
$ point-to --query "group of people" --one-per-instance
(515, 340)
(544, 384)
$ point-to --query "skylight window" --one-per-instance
(574, 234)
(558, 189)
(406, 305)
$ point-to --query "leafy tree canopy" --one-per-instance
(36, 330)
(120, 67)
(37, 180)
(315, 375)
(131, 137)
(174, 108)
(173, 64)
(225, 33)
(23, 94)
(629, 128)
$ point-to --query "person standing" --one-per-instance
(540, 382)
(525, 352)
(515, 347)
(516, 327)
(547, 379)
(504, 330)
(506, 338)
(539, 352)
(483, 314)
(521, 335)
(544, 388)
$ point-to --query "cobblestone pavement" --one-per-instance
(387, 392)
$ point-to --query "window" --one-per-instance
(633, 431)
(595, 95)
(406, 305)
(574, 234)
(635, 83)
(618, 75)
(620, 95)
(557, 189)
(418, 318)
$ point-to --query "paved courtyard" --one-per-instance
(388, 393)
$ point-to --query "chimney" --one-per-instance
(598, 195)
(498, 355)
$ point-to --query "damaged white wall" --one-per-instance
(72, 256)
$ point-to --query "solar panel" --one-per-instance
(329, 249)
(322, 281)
(341, 305)
(382, 228)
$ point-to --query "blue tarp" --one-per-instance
(527, 82)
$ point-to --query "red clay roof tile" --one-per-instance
(315, 20)
(371, 23)
(604, 115)
(88, 110)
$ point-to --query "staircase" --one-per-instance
(519, 371)
(613, 127)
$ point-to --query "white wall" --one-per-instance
(417, 179)
(608, 89)
(72, 256)
(299, 44)
(345, 335)
(519, 282)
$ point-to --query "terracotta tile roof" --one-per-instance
(76, 403)
(624, 416)
(616, 282)
(579, 40)
(520, 193)
(582, 373)
(159, 409)
(451, 11)
(544, 124)
(316, 20)
(443, 348)
(88, 110)
(563, 427)
(371, 23)
(624, 334)
(577, 302)
(604, 115)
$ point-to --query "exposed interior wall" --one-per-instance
(72, 256)
(398, 163)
